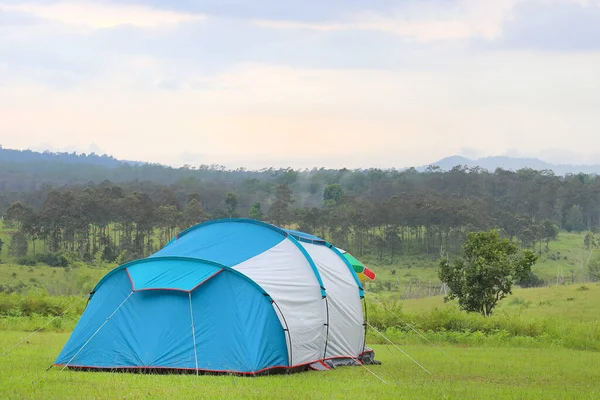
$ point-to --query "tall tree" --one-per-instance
(280, 213)
(193, 213)
(18, 245)
(232, 203)
(256, 212)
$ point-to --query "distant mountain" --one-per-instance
(513, 164)
(29, 156)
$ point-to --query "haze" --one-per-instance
(302, 83)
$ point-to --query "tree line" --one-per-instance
(429, 213)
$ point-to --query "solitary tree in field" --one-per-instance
(486, 271)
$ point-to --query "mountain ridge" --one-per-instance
(492, 163)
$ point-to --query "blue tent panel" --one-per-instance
(305, 236)
(235, 326)
(228, 242)
(171, 274)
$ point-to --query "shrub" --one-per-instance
(53, 259)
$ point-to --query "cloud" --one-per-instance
(261, 114)
(291, 10)
(422, 21)
(564, 26)
(392, 85)
(101, 14)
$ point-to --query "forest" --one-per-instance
(387, 213)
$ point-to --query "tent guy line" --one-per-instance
(98, 330)
(411, 327)
(45, 325)
(398, 348)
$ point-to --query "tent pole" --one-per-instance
(193, 332)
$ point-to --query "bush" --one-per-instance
(51, 259)
(531, 280)
(43, 305)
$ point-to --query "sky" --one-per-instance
(302, 83)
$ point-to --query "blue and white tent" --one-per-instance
(234, 295)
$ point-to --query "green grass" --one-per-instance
(540, 343)
(556, 316)
(413, 276)
(53, 280)
(569, 302)
(483, 373)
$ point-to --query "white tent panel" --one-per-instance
(285, 273)
(346, 329)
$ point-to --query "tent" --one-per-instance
(234, 296)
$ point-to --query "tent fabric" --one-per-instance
(230, 295)
(346, 324)
(235, 327)
(284, 273)
(308, 238)
(171, 274)
(226, 242)
(305, 237)
(277, 263)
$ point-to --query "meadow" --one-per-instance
(481, 372)
(540, 343)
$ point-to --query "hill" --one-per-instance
(29, 156)
(512, 164)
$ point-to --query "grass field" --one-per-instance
(482, 373)
(541, 343)
(579, 302)
(498, 363)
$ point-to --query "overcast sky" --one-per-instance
(302, 83)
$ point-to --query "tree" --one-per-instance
(231, 202)
(1, 244)
(279, 213)
(486, 271)
(574, 220)
(18, 245)
(549, 231)
(256, 212)
(594, 270)
(333, 194)
(193, 213)
(590, 241)
(17, 214)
